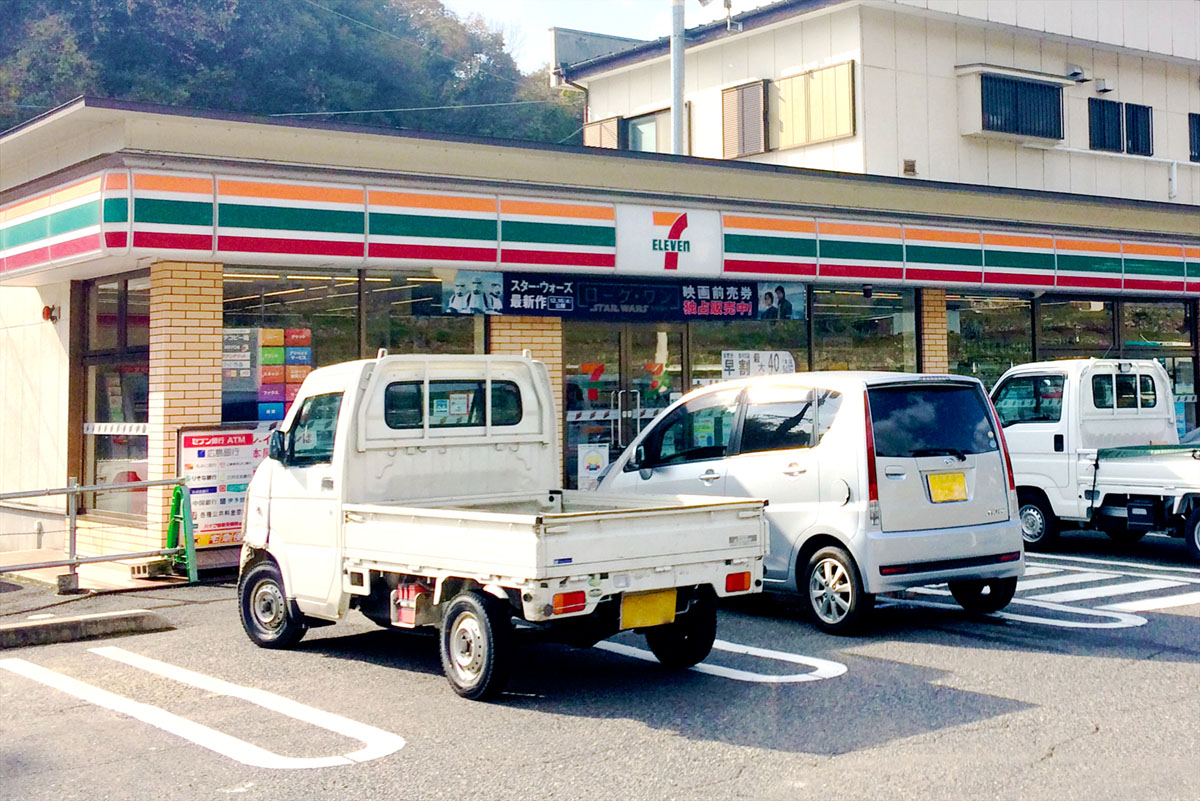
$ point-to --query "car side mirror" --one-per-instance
(275, 447)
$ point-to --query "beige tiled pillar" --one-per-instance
(544, 337)
(185, 370)
(934, 344)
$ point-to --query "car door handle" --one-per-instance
(895, 473)
(794, 470)
(709, 476)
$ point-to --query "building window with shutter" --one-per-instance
(1021, 107)
(1139, 130)
(1104, 125)
(651, 133)
(743, 112)
(813, 107)
(609, 133)
(1194, 135)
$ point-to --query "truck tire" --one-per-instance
(476, 644)
(1191, 533)
(267, 616)
(983, 596)
(837, 602)
(689, 640)
(1039, 526)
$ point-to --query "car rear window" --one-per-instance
(910, 421)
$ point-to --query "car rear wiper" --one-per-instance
(957, 454)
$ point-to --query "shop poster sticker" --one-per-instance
(746, 363)
(593, 458)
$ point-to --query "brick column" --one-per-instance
(542, 335)
(934, 344)
(185, 370)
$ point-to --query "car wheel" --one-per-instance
(1039, 526)
(983, 596)
(476, 645)
(689, 639)
(1191, 533)
(267, 616)
(837, 602)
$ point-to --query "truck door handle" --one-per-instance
(327, 483)
(794, 470)
(1059, 445)
(709, 476)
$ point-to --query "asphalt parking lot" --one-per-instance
(1087, 696)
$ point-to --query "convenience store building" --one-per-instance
(168, 277)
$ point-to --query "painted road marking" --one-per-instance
(378, 743)
(1113, 563)
(1058, 581)
(1113, 619)
(1106, 590)
(1150, 604)
(822, 668)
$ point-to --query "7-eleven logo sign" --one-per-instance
(673, 243)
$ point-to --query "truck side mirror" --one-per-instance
(275, 447)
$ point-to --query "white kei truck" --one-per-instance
(1094, 443)
(423, 491)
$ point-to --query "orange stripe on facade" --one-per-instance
(1013, 241)
(43, 202)
(770, 224)
(173, 183)
(927, 235)
(1153, 250)
(851, 229)
(540, 209)
(116, 180)
(1191, 253)
(26, 207)
(317, 194)
(90, 187)
(1094, 247)
(666, 218)
(445, 202)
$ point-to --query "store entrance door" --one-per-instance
(618, 377)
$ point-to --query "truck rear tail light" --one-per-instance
(737, 582)
(565, 602)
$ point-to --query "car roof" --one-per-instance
(840, 380)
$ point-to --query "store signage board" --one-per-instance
(668, 241)
(218, 464)
(596, 298)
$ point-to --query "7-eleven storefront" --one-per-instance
(166, 286)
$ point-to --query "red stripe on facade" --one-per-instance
(384, 250)
(1018, 279)
(295, 247)
(510, 256)
(27, 259)
(1154, 286)
(954, 276)
(116, 239)
(771, 267)
(73, 247)
(1089, 282)
(861, 271)
(154, 239)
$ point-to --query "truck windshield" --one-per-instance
(930, 420)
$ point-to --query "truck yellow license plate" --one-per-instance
(945, 487)
(642, 609)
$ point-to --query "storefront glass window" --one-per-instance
(103, 300)
(1163, 331)
(753, 345)
(137, 312)
(1075, 329)
(855, 332)
(404, 315)
(987, 334)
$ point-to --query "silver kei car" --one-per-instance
(876, 482)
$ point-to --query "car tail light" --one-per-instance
(565, 602)
(737, 582)
(1012, 481)
(872, 479)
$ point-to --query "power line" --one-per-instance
(417, 108)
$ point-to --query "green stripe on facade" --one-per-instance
(172, 212)
(24, 233)
(1154, 267)
(861, 251)
(558, 234)
(1019, 259)
(275, 218)
(926, 254)
(770, 245)
(53, 224)
(116, 210)
(444, 227)
(1089, 264)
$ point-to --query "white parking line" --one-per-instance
(1115, 619)
(822, 668)
(1151, 604)
(1058, 581)
(378, 742)
(1104, 591)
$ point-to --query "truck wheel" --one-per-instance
(476, 645)
(266, 615)
(1191, 533)
(1039, 526)
(689, 639)
(983, 596)
(837, 601)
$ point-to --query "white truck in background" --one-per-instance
(1094, 443)
(423, 491)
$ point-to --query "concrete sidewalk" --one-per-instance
(99, 576)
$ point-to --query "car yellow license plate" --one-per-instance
(945, 487)
(642, 609)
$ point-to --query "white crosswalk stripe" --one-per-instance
(1108, 579)
(1104, 591)
(1150, 604)
(1059, 580)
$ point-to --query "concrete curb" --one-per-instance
(80, 627)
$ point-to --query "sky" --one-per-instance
(525, 22)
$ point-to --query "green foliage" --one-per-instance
(278, 57)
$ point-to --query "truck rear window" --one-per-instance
(452, 404)
(929, 420)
